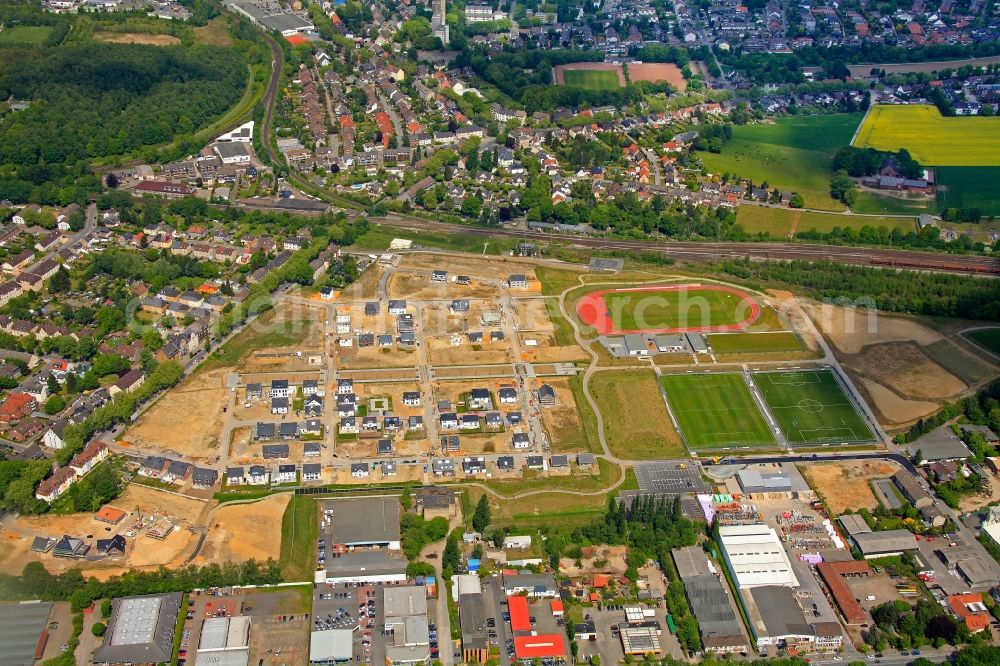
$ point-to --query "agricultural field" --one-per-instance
(870, 203)
(794, 154)
(931, 138)
(636, 423)
(812, 408)
(716, 411)
(668, 309)
(746, 343)
(987, 337)
(968, 369)
(34, 35)
(969, 187)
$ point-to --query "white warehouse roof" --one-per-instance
(755, 556)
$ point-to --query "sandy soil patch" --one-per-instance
(893, 409)
(562, 422)
(905, 367)
(374, 357)
(850, 330)
(546, 351)
(137, 38)
(488, 267)
(187, 419)
(365, 288)
(611, 557)
(239, 532)
(170, 552)
(532, 314)
(442, 352)
(657, 71)
(418, 287)
(845, 485)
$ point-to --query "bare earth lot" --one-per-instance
(137, 38)
(904, 367)
(239, 532)
(562, 422)
(845, 485)
(657, 71)
(850, 330)
(187, 419)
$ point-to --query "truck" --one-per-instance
(670, 625)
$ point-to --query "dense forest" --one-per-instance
(91, 100)
(932, 294)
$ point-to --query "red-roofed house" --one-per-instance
(52, 488)
(541, 646)
(970, 608)
(557, 608)
(600, 581)
(91, 455)
(16, 406)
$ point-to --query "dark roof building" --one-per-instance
(141, 630)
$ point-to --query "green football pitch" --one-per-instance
(593, 79)
(676, 309)
(811, 407)
(716, 411)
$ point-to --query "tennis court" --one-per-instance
(811, 407)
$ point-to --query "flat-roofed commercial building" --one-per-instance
(363, 567)
(23, 635)
(708, 597)
(755, 556)
(777, 619)
(224, 641)
(640, 640)
(141, 630)
(885, 544)
(472, 616)
(330, 647)
(364, 521)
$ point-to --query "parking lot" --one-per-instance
(608, 644)
(359, 607)
(278, 624)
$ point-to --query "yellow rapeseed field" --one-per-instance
(931, 138)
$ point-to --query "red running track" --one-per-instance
(593, 311)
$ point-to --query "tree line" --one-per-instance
(912, 292)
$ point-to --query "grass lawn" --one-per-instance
(378, 238)
(969, 187)
(811, 408)
(988, 337)
(781, 222)
(556, 280)
(793, 154)
(957, 362)
(636, 423)
(299, 529)
(870, 203)
(716, 411)
(583, 480)
(931, 138)
(795, 169)
(743, 343)
(244, 342)
(593, 79)
(637, 310)
(587, 438)
(32, 35)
